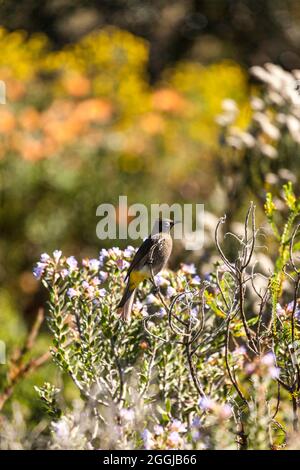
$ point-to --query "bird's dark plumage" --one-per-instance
(151, 257)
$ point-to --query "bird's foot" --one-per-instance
(155, 290)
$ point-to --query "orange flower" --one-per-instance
(77, 85)
(7, 121)
(144, 345)
(32, 149)
(94, 109)
(152, 123)
(15, 90)
(169, 101)
(29, 119)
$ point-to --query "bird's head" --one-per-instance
(163, 226)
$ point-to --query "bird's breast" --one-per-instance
(161, 252)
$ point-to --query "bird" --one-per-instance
(151, 257)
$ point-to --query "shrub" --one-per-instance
(203, 364)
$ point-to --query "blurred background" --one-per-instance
(126, 97)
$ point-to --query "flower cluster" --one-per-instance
(194, 350)
(165, 437)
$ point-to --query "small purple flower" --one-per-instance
(177, 426)
(161, 312)
(268, 359)
(122, 263)
(64, 273)
(38, 270)
(205, 403)
(127, 414)
(158, 430)
(72, 292)
(45, 258)
(170, 291)
(161, 281)
(196, 422)
(129, 251)
(188, 268)
(250, 368)
(174, 438)
(274, 372)
(72, 263)
(151, 299)
(103, 276)
(147, 439)
(194, 314)
(94, 264)
(196, 435)
(115, 251)
(56, 255)
(103, 254)
(290, 307)
(280, 310)
(196, 280)
(225, 411)
(240, 351)
(102, 292)
(141, 307)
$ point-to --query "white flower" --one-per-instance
(271, 178)
(127, 414)
(61, 428)
(45, 257)
(229, 106)
(188, 268)
(268, 150)
(170, 291)
(225, 411)
(115, 250)
(174, 439)
(72, 292)
(177, 426)
(129, 251)
(274, 372)
(266, 125)
(94, 264)
(151, 299)
(72, 263)
(257, 104)
(247, 139)
(147, 439)
(206, 403)
(235, 142)
(224, 119)
(161, 281)
(268, 359)
(56, 255)
(293, 125)
(158, 430)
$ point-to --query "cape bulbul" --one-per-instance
(152, 256)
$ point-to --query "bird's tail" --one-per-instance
(125, 306)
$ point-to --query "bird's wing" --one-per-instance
(141, 256)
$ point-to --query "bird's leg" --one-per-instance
(155, 287)
(150, 262)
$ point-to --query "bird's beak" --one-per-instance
(175, 222)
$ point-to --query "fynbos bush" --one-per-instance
(203, 364)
